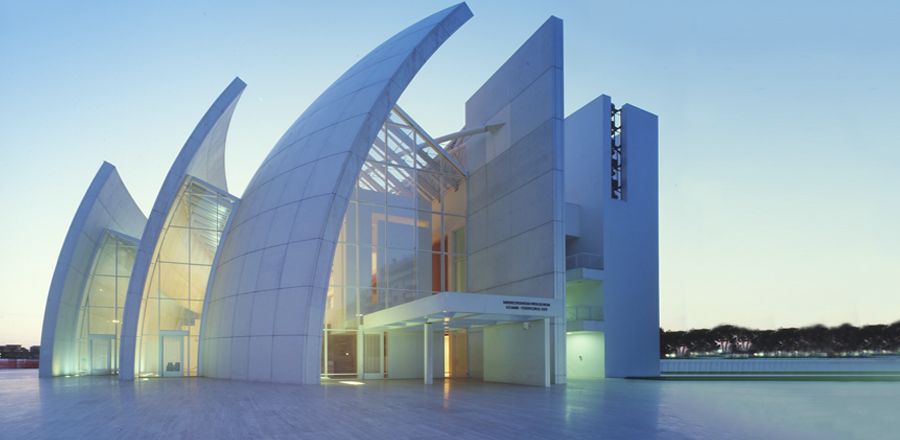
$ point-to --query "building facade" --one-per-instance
(521, 249)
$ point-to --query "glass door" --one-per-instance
(339, 353)
(172, 349)
(101, 348)
(373, 356)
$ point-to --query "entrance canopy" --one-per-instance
(462, 310)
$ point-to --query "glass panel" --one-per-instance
(334, 307)
(199, 277)
(181, 214)
(452, 224)
(401, 187)
(174, 247)
(106, 260)
(436, 233)
(101, 321)
(351, 311)
(150, 317)
(401, 231)
(426, 266)
(341, 354)
(371, 224)
(101, 355)
(203, 245)
(125, 258)
(401, 265)
(423, 230)
(102, 292)
(373, 355)
(192, 353)
(428, 191)
(173, 280)
(100, 310)
(395, 243)
(348, 231)
(121, 290)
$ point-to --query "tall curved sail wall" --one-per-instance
(267, 297)
(83, 316)
(166, 293)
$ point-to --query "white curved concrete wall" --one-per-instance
(202, 156)
(266, 304)
(106, 205)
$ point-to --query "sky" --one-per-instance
(778, 126)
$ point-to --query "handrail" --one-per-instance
(584, 260)
(581, 313)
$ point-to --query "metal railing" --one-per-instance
(584, 260)
(582, 313)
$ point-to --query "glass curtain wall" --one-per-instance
(172, 303)
(403, 237)
(100, 313)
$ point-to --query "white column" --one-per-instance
(547, 333)
(428, 363)
(360, 352)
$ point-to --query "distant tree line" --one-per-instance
(816, 340)
(15, 351)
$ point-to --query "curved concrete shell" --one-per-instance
(107, 209)
(199, 167)
(266, 301)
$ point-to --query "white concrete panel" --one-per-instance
(243, 312)
(515, 353)
(287, 359)
(240, 357)
(222, 362)
(263, 314)
(405, 351)
(270, 267)
(250, 272)
(226, 316)
(289, 312)
(299, 263)
(260, 365)
(586, 154)
(476, 353)
(313, 213)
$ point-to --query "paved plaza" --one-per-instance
(103, 407)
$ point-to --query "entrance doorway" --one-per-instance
(585, 355)
(172, 349)
(339, 353)
(374, 356)
(456, 354)
(101, 349)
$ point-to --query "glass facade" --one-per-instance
(172, 303)
(403, 238)
(100, 313)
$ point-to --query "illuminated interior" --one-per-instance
(175, 290)
(403, 238)
(100, 314)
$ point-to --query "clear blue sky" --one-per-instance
(779, 124)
